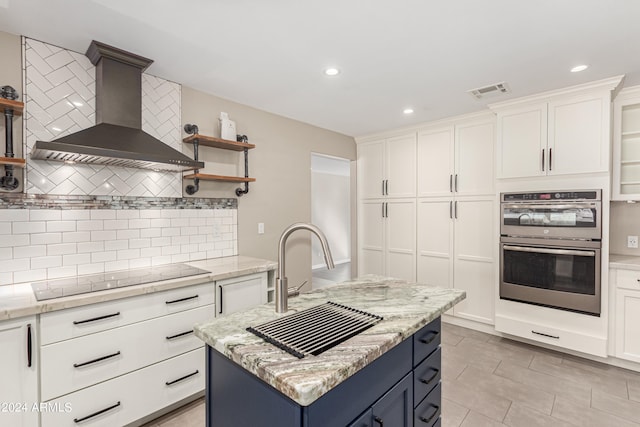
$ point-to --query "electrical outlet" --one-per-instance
(632, 242)
(261, 228)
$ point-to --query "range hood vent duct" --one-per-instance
(117, 139)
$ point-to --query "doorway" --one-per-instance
(331, 212)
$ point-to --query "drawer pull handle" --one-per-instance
(80, 322)
(182, 378)
(546, 335)
(379, 421)
(431, 338)
(29, 346)
(99, 359)
(95, 414)
(432, 416)
(181, 300)
(180, 335)
(431, 378)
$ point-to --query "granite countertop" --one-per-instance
(406, 307)
(18, 300)
(627, 262)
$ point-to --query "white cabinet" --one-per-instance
(626, 145)
(456, 248)
(556, 133)
(387, 238)
(387, 167)
(18, 370)
(240, 293)
(627, 314)
(457, 159)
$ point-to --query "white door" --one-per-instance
(628, 324)
(371, 237)
(474, 249)
(474, 154)
(435, 242)
(522, 142)
(435, 162)
(19, 390)
(579, 135)
(240, 293)
(401, 166)
(371, 163)
(400, 219)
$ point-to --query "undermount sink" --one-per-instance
(316, 329)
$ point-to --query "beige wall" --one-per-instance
(281, 164)
(11, 75)
(625, 221)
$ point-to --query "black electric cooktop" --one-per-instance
(58, 288)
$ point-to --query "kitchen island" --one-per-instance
(252, 382)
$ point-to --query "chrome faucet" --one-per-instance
(282, 287)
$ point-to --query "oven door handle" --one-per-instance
(551, 206)
(549, 251)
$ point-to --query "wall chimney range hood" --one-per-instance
(117, 139)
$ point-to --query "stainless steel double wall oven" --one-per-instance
(550, 246)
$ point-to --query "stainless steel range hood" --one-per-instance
(117, 139)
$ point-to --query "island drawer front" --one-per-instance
(426, 376)
(99, 357)
(428, 412)
(628, 279)
(139, 394)
(79, 321)
(425, 341)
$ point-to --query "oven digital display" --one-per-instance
(545, 196)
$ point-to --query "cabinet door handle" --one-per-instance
(181, 299)
(428, 420)
(543, 160)
(383, 187)
(382, 205)
(546, 335)
(386, 210)
(95, 414)
(450, 183)
(386, 187)
(29, 345)
(431, 338)
(94, 319)
(99, 359)
(181, 334)
(431, 378)
(182, 378)
(450, 209)
(550, 158)
(455, 209)
(379, 421)
(220, 309)
(455, 183)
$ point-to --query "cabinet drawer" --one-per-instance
(628, 279)
(425, 341)
(76, 322)
(131, 396)
(426, 376)
(74, 364)
(427, 413)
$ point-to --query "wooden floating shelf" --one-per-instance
(225, 144)
(14, 161)
(209, 177)
(17, 106)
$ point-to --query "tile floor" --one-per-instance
(492, 381)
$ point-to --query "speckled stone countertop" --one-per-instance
(627, 262)
(405, 307)
(18, 300)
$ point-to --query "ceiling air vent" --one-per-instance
(491, 90)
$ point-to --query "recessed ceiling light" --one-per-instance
(332, 71)
(579, 68)
(407, 111)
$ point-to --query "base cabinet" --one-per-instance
(383, 393)
(627, 326)
(18, 370)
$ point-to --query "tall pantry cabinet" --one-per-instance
(387, 207)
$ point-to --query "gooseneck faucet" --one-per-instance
(282, 288)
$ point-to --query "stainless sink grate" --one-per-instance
(316, 329)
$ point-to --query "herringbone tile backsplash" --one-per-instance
(60, 100)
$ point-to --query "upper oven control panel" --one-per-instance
(551, 196)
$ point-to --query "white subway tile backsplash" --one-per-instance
(40, 244)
